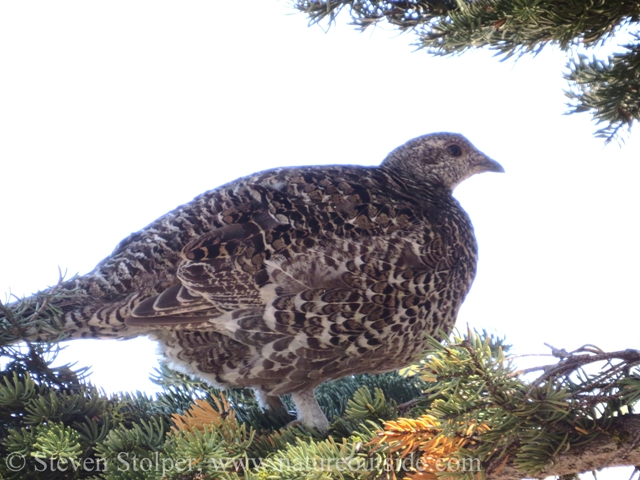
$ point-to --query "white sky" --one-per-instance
(113, 113)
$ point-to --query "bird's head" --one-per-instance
(444, 158)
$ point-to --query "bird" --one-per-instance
(290, 277)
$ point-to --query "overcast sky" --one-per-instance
(113, 113)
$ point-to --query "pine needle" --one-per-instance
(203, 413)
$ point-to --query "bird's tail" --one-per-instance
(66, 311)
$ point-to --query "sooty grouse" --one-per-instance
(290, 277)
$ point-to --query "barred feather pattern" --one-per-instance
(290, 277)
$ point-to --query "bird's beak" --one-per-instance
(486, 164)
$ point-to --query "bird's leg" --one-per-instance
(309, 412)
(266, 401)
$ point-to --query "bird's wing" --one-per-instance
(217, 274)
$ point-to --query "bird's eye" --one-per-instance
(454, 150)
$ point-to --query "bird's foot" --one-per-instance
(309, 412)
(266, 401)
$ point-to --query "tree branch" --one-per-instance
(618, 447)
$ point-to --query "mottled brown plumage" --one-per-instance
(290, 277)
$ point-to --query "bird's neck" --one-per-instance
(430, 189)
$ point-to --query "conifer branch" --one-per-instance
(607, 88)
(619, 446)
(530, 429)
